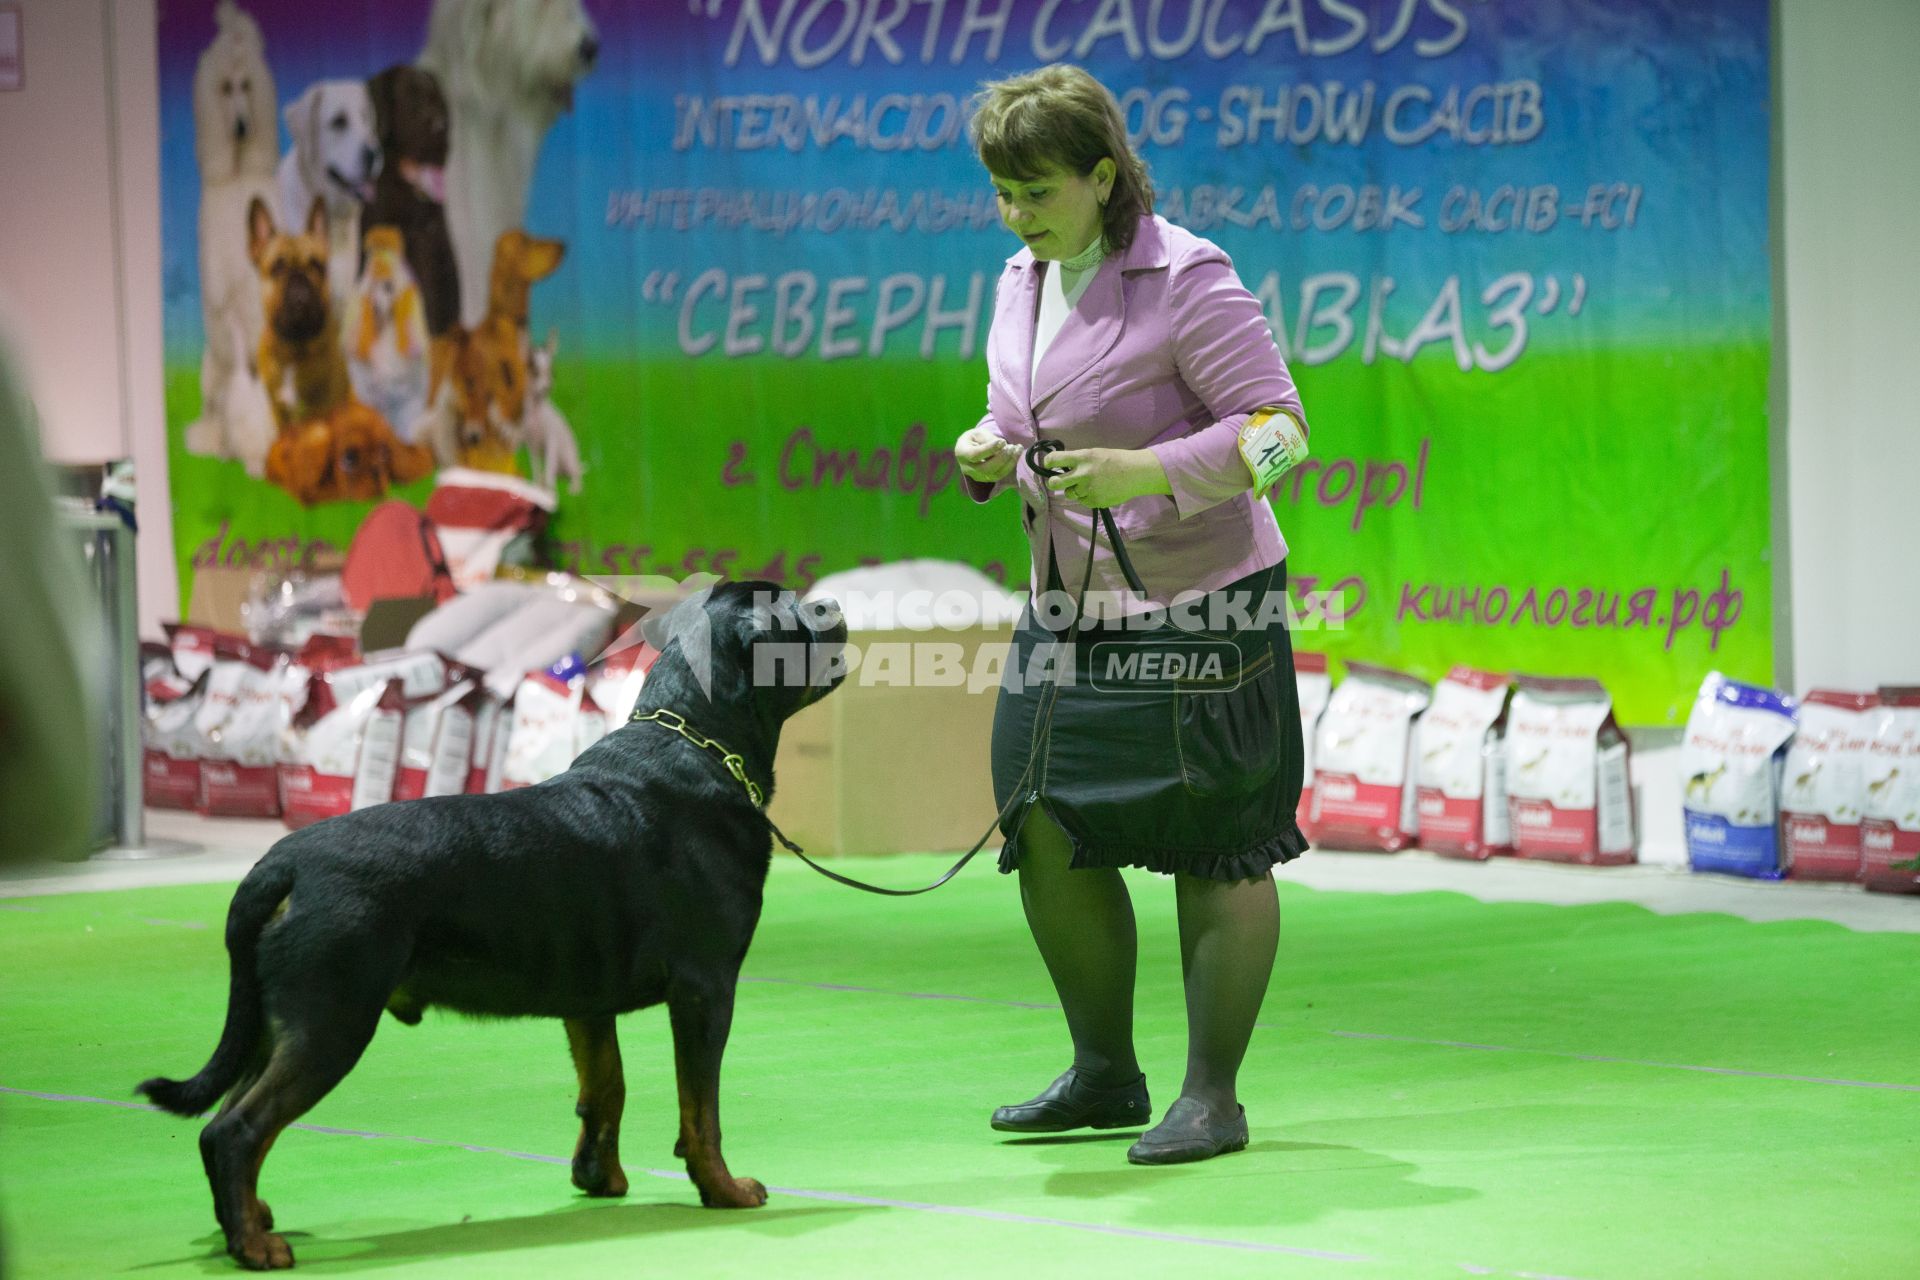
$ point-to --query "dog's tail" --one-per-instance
(254, 904)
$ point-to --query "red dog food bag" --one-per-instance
(1567, 784)
(1316, 686)
(1890, 829)
(422, 726)
(248, 703)
(342, 750)
(544, 734)
(170, 754)
(450, 762)
(1461, 773)
(192, 648)
(487, 721)
(1363, 795)
(1824, 788)
(615, 678)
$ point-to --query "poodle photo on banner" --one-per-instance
(717, 274)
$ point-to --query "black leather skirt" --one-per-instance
(1176, 749)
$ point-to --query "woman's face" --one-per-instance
(1056, 213)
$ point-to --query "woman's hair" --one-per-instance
(1059, 117)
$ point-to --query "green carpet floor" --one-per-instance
(1440, 1087)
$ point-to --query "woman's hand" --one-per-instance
(984, 456)
(1107, 477)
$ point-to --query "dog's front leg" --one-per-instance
(603, 1096)
(702, 1014)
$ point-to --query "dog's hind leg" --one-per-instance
(311, 1055)
(702, 1013)
(603, 1096)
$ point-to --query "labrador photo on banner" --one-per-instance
(717, 275)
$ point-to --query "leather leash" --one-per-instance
(735, 763)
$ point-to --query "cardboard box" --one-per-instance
(895, 767)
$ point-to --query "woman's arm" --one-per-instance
(1225, 352)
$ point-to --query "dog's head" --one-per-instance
(410, 121)
(531, 52)
(519, 261)
(750, 649)
(293, 271)
(334, 141)
(234, 100)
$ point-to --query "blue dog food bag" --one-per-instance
(1730, 766)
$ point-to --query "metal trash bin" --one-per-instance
(107, 553)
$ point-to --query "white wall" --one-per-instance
(85, 298)
(1850, 187)
(80, 250)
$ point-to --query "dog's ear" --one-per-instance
(303, 119)
(260, 231)
(541, 258)
(317, 219)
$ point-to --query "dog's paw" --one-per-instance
(735, 1193)
(599, 1177)
(680, 1149)
(261, 1251)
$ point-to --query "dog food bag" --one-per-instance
(577, 627)
(498, 742)
(344, 746)
(450, 762)
(614, 679)
(192, 648)
(1890, 830)
(239, 722)
(542, 737)
(590, 725)
(1461, 773)
(340, 731)
(1316, 686)
(170, 750)
(487, 720)
(1567, 787)
(420, 728)
(1730, 766)
(1824, 789)
(1363, 795)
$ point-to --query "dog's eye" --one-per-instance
(279, 267)
(339, 123)
(246, 86)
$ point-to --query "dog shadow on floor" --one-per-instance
(574, 1224)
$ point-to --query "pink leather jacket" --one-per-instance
(1168, 351)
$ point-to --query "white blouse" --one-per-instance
(1060, 291)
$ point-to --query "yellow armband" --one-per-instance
(1271, 444)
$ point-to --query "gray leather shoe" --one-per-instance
(1071, 1102)
(1190, 1132)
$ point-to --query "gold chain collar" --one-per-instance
(735, 762)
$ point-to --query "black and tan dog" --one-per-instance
(410, 117)
(633, 879)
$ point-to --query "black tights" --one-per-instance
(1083, 923)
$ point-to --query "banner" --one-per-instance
(720, 271)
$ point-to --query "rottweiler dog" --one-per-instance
(633, 879)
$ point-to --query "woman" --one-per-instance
(1134, 345)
